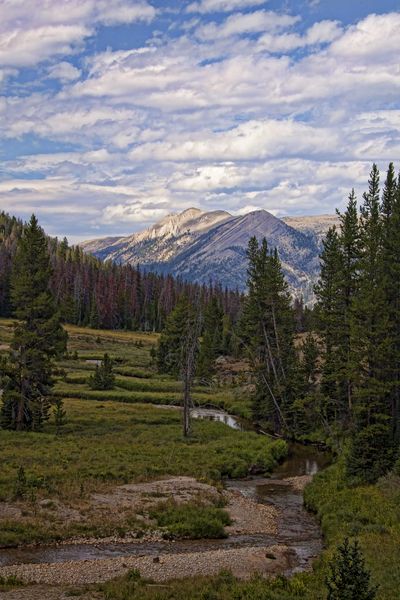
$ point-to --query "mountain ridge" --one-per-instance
(211, 246)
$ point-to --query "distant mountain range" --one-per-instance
(211, 246)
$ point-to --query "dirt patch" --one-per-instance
(140, 497)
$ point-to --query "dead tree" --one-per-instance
(189, 356)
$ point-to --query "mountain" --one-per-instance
(315, 225)
(211, 246)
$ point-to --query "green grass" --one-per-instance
(108, 444)
(371, 513)
(190, 520)
(9, 583)
(222, 587)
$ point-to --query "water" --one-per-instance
(296, 527)
(211, 414)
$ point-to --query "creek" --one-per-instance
(296, 528)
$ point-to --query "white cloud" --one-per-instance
(26, 48)
(218, 123)
(253, 140)
(373, 40)
(319, 33)
(208, 6)
(46, 29)
(246, 23)
(64, 72)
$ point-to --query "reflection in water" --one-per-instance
(211, 414)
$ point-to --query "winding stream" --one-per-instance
(297, 529)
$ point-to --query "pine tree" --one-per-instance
(348, 578)
(267, 331)
(38, 337)
(391, 274)
(103, 377)
(329, 314)
(169, 352)
(211, 345)
(60, 415)
(350, 248)
(370, 340)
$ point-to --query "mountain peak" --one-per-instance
(202, 246)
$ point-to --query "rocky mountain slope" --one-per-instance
(203, 246)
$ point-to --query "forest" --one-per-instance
(78, 331)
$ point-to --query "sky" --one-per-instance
(115, 113)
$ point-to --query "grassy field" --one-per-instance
(112, 438)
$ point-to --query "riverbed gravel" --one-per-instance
(243, 562)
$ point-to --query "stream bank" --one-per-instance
(287, 548)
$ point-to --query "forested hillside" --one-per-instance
(90, 292)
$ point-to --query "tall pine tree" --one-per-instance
(267, 331)
(38, 337)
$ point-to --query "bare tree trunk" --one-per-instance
(187, 404)
(189, 368)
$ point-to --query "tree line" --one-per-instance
(89, 292)
(339, 379)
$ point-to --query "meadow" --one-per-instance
(113, 438)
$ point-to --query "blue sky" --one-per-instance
(114, 113)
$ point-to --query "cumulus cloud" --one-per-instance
(245, 23)
(228, 118)
(319, 33)
(50, 28)
(253, 140)
(208, 6)
(64, 72)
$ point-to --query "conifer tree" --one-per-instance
(348, 578)
(169, 352)
(268, 332)
(103, 377)
(350, 248)
(212, 340)
(371, 343)
(391, 275)
(329, 310)
(60, 415)
(38, 337)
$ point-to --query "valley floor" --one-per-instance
(113, 449)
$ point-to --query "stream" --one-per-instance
(297, 529)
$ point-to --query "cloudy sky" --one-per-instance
(114, 113)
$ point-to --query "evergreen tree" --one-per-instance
(212, 340)
(370, 340)
(391, 275)
(329, 314)
(348, 578)
(38, 337)
(268, 333)
(350, 248)
(60, 415)
(103, 377)
(169, 352)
